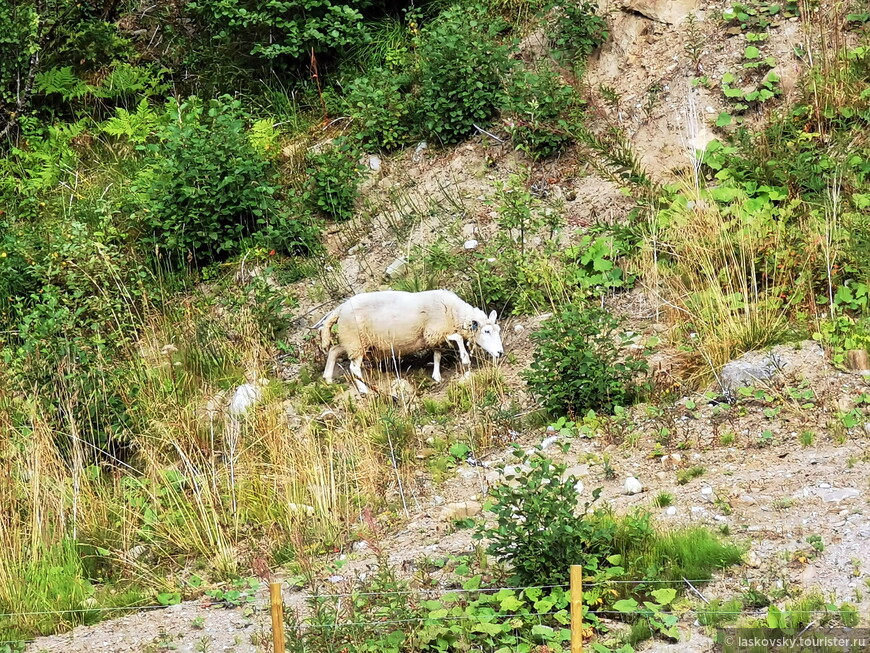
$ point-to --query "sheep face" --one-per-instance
(487, 335)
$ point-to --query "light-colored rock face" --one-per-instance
(670, 12)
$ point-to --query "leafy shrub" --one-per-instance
(334, 175)
(578, 364)
(579, 30)
(538, 103)
(461, 71)
(209, 188)
(543, 544)
(274, 30)
(383, 108)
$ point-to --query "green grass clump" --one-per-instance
(686, 475)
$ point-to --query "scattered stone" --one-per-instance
(546, 442)
(672, 510)
(752, 560)
(396, 268)
(469, 230)
(355, 249)
(577, 471)
(519, 328)
(460, 510)
(738, 374)
(360, 546)
(470, 244)
(244, 397)
(418, 151)
(632, 486)
(835, 496)
(375, 162)
(748, 499)
(136, 552)
(664, 11)
(845, 403)
(858, 360)
(328, 415)
(579, 487)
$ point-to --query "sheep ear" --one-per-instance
(493, 316)
(474, 325)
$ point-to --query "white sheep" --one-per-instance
(396, 323)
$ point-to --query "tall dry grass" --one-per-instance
(728, 276)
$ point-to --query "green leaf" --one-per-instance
(626, 605)
(723, 119)
(664, 596)
(472, 583)
(751, 52)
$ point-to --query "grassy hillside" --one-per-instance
(179, 186)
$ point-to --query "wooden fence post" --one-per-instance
(576, 609)
(277, 601)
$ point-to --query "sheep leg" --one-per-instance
(329, 370)
(436, 372)
(464, 358)
(356, 372)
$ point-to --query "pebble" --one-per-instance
(632, 486)
(470, 244)
(671, 511)
(460, 510)
(835, 496)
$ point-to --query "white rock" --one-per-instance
(578, 487)
(460, 510)
(418, 151)
(672, 510)
(632, 486)
(375, 162)
(546, 442)
(244, 396)
(396, 268)
(519, 328)
(835, 496)
(470, 244)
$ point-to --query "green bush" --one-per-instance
(334, 175)
(383, 109)
(461, 70)
(579, 30)
(580, 364)
(209, 189)
(539, 103)
(536, 530)
(275, 29)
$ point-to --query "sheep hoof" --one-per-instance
(437, 379)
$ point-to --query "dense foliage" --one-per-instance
(581, 363)
(209, 189)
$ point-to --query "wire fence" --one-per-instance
(340, 607)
